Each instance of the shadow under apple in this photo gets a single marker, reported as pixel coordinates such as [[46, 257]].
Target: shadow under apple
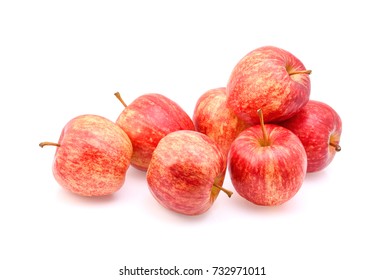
[[249, 208], [315, 177], [68, 197]]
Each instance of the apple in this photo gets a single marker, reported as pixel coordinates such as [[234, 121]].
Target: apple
[[319, 128], [92, 156], [186, 172], [212, 117], [148, 119], [269, 78], [267, 164]]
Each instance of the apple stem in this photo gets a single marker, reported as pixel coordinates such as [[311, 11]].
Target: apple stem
[[265, 135], [337, 146], [42, 144], [118, 96], [300, 72], [228, 192]]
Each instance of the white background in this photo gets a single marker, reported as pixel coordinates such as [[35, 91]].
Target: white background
[[60, 59]]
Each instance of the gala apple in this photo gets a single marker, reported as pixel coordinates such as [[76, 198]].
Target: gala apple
[[186, 172], [213, 118], [319, 127], [267, 164], [269, 78], [148, 119], [92, 156]]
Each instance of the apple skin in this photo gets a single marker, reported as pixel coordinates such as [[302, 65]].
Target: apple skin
[[212, 117], [93, 156], [264, 79], [267, 175], [319, 128], [148, 119], [183, 171]]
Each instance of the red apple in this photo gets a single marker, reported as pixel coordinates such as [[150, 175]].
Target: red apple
[[92, 156], [269, 78], [267, 164], [319, 128], [148, 119], [213, 118], [186, 172]]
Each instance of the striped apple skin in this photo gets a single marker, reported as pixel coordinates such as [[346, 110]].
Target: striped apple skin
[[93, 157], [267, 175], [184, 170], [263, 79], [147, 120]]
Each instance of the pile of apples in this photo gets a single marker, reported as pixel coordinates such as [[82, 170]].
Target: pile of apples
[[262, 128]]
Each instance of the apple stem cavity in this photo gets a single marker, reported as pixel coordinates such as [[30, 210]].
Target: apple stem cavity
[[336, 146], [118, 96], [265, 141], [228, 192], [299, 72], [42, 144]]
